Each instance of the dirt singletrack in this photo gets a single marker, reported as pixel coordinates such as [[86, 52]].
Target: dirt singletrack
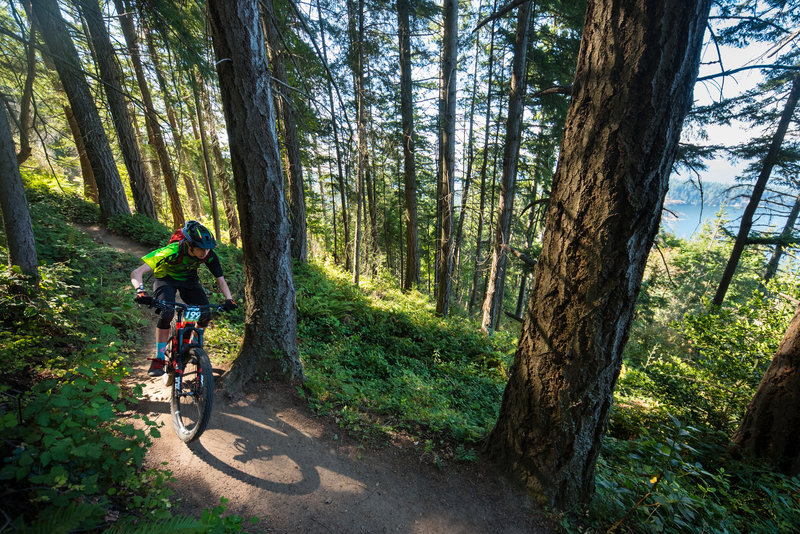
[[272, 458]]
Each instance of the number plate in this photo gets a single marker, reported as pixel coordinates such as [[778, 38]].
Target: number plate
[[192, 313]]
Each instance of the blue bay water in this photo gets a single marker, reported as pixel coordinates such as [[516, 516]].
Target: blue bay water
[[686, 220]]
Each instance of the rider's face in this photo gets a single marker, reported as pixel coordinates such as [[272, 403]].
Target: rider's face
[[197, 252]]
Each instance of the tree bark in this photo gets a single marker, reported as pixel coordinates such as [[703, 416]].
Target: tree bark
[[493, 303], [294, 172], [633, 87], [106, 60], [771, 426], [155, 135], [409, 167], [14, 205], [111, 193], [447, 141], [357, 67], [758, 190], [270, 337]]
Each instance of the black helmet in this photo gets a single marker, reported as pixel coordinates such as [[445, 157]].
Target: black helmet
[[198, 235]]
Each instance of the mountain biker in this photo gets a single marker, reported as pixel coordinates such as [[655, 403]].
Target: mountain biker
[[175, 268]]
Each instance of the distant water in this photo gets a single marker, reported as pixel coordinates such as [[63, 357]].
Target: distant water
[[685, 220]]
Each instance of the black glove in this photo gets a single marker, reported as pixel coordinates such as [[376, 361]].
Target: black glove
[[143, 298], [229, 305]]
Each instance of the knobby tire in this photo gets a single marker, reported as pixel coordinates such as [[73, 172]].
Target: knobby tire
[[191, 406]]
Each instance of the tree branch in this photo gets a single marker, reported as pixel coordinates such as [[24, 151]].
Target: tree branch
[[749, 67], [499, 13], [520, 255]]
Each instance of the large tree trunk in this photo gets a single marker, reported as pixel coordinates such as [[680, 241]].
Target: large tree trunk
[[493, 303], [294, 172], [633, 87], [155, 136], [14, 206], [447, 141], [270, 336], [771, 426], [409, 168], [758, 190], [111, 193], [106, 60]]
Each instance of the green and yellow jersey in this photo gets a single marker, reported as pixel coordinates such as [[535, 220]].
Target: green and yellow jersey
[[174, 262]]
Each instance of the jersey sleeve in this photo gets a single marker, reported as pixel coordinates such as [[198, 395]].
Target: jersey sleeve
[[214, 265]]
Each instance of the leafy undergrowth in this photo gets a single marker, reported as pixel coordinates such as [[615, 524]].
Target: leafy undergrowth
[[666, 465], [72, 457]]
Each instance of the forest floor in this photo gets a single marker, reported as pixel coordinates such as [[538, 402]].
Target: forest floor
[[272, 458]]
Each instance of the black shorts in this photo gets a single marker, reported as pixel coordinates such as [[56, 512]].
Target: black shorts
[[191, 292]]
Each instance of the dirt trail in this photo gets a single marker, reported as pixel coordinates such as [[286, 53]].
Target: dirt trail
[[273, 459]]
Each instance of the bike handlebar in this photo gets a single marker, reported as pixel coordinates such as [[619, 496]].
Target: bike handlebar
[[164, 304]]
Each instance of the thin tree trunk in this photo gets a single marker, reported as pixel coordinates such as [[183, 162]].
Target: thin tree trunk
[[608, 193], [788, 228], [270, 336], [209, 174], [27, 97], [294, 172], [412, 276], [110, 191], [342, 181], [448, 144], [106, 60], [156, 137], [14, 206], [357, 66], [221, 167], [758, 190], [189, 182], [493, 304], [476, 273], [89, 183]]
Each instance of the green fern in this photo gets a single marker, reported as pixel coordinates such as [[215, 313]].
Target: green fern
[[55, 519], [178, 524]]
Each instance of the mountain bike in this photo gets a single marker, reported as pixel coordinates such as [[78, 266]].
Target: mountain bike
[[188, 370]]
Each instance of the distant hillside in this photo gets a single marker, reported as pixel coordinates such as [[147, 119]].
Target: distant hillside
[[686, 192]]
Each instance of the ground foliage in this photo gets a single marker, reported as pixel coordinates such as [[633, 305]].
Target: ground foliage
[[72, 457], [381, 363]]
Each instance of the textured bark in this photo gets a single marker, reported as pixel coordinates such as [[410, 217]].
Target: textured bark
[[270, 337], [633, 87], [106, 60], [447, 141], [758, 190], [412, 279], [771, 426], [111, 193], [357, 67], [294, 172], [154, 133], [493, 303], [14, 205]]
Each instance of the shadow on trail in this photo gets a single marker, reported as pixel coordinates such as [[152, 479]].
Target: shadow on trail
[[259, 445]]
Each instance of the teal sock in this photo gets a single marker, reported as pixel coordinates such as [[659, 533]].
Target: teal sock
[[160, 348]]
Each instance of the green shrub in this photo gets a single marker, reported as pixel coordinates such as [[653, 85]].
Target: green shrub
[[141, 229]]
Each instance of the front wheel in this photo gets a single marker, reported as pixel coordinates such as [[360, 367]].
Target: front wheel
[[192, 395]]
